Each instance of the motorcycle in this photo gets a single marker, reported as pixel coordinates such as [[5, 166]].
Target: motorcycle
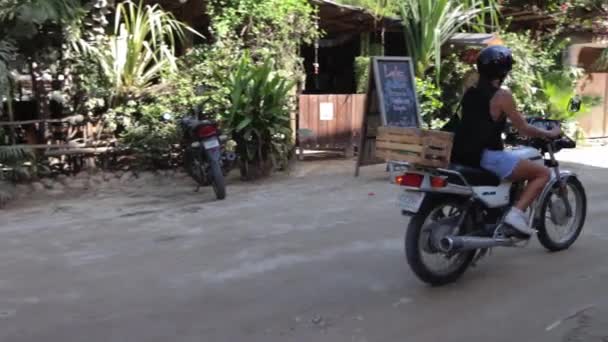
[[205, 158], [457, 213]]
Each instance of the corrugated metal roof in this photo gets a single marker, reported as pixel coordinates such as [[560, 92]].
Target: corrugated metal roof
[[477, 39]]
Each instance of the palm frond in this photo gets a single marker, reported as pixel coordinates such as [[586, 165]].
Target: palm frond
[[9, 155], [143, 45], [429, 24]]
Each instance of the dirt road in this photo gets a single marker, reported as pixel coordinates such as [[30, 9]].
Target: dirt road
[[316, 256]]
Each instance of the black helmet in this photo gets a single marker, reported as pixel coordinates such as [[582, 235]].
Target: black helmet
[[495, 62]]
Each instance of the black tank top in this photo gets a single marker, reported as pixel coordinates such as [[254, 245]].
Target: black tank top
[[477, 130]]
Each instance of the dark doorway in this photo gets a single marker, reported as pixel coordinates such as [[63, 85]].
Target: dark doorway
[[336, 68]]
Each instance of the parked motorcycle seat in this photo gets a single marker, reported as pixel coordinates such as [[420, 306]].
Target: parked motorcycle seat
[[474, 176]]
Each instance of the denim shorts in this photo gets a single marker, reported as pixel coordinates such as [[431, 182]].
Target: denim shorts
[[500, 163]]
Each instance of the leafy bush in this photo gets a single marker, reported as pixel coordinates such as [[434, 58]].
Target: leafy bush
[[534, 58], [559, 88], [362, 65], [452, 79], [209, 67], [259, 115], [429, 97], [268, 29], [143, 131]]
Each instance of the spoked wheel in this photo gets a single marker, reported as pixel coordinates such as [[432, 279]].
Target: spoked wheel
[[560, 226], [435, 220]]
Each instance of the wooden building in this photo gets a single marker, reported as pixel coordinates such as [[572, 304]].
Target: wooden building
[[330, 110]]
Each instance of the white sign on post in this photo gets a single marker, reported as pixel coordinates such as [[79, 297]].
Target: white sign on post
[[326, 111]]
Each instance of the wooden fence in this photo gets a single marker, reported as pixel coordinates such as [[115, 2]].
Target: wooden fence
[[330, 122]]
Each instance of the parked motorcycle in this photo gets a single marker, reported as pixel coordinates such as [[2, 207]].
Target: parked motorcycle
[[206, 159], [457, 213]]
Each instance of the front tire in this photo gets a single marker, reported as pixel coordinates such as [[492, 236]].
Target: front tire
[[574, 228], [217, 182], [415, 236]]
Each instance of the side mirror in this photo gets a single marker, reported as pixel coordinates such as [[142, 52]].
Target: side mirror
[[574, 105]]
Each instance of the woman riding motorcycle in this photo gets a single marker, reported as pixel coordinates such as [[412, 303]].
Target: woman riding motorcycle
[[478, 138]]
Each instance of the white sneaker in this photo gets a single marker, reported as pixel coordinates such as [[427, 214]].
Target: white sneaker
[[518, 220]]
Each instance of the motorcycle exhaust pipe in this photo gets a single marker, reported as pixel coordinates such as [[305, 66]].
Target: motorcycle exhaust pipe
[[466, 243]]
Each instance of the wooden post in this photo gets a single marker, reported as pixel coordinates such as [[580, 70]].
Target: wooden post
[[366, 111]]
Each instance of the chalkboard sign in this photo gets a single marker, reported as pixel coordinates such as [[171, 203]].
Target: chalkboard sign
[[391, 101], [396, 88]]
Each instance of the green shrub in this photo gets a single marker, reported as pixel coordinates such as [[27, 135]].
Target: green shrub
[[534, 58], [259, 116], [559, 87], [362, 65], [143, 132], [429, 97], [16, 164]]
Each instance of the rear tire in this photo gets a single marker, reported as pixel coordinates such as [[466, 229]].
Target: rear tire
[[217, 179], [544, 237], [414, 250]]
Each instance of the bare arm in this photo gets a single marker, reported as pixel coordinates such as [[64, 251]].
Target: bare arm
[[503, 102]]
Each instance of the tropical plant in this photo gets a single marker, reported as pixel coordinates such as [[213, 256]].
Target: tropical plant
[[429, 97], [559, 88], [16, 163], [7, 53], [269, 29], [259, 115], [362, 66], [534, 57], [142, 47], [486, 21], [454, 74], [208, 67], [430, 23]]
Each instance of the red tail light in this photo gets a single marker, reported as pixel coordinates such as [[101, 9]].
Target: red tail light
[[410, 179], [205, 131], [414, 180], [438, 182]]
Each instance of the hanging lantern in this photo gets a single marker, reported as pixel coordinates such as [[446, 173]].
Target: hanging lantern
[[315, 64]]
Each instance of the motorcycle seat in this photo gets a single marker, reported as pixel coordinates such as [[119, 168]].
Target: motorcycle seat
[[474, 176]]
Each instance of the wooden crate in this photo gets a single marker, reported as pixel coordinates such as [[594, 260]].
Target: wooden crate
[[413, 145]]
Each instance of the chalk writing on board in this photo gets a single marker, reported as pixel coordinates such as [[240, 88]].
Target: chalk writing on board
[[397, 87]]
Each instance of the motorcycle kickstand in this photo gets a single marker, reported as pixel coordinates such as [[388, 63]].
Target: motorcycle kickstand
[[198, 188]]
